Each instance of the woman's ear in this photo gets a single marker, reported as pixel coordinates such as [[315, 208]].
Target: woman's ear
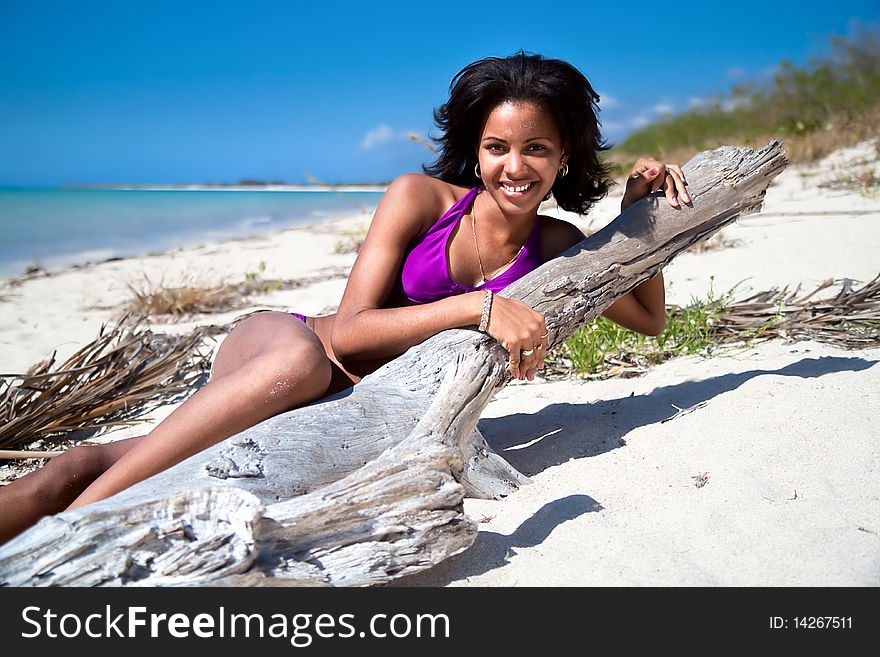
[[565, 154]]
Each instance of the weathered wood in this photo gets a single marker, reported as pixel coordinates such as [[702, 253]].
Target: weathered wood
[[394, 516], [367, 486]]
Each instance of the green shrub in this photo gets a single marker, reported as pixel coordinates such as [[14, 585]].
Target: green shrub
[[602, 345], [837, 98]]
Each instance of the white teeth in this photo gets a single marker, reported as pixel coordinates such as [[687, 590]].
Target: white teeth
[[517, 188]]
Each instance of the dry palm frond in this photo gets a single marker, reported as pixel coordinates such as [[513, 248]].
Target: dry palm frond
[[416, 137], [851, 319], [151, 299], [124, 372]]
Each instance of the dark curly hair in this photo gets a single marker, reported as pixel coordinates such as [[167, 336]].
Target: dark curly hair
[[553, 85]]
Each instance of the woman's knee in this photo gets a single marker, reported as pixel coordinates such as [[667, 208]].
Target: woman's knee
[[76, 468], [277, 358], [296, 370]]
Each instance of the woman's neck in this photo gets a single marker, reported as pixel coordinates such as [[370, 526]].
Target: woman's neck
[[509, 228]]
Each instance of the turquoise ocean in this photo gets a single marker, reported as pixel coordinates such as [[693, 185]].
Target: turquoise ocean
[[60, 227]]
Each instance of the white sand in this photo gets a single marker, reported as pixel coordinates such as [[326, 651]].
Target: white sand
[[784, 441]]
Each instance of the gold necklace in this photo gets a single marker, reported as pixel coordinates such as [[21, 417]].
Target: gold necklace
[[477, 246]]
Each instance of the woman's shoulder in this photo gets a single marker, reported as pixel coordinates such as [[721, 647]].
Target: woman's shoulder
[[426, 189], [557, 236], [429, 197]]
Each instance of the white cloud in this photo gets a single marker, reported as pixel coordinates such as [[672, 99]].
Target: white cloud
[[608, 102], [736, 72], [639, 121], [385, 134], [696, 101], [613, 126], [664, 108], [378, 135]]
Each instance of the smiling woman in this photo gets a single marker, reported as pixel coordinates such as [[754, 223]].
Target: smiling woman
[[513, 131], [559, 95]]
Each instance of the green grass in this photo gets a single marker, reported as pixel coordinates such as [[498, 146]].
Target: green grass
[[603, 346], [254, 283], [718, 325]]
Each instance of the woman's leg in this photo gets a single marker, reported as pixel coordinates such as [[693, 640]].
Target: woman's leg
[[271, 363], [51, 488], [57, 484]]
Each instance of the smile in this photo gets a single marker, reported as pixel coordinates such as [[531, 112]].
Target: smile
[[516, 189]]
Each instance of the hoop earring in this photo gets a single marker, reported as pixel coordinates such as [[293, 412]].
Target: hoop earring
[[549, 194], [477, 171], [563, 172]]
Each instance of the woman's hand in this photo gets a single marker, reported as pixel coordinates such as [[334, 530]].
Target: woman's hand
[[522, 332], [648, 176]]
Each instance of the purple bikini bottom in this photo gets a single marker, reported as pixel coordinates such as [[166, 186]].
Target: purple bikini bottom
[[302, 318]]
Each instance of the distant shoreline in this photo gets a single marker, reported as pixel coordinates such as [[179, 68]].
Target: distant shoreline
[[61, 227], [234, 188]]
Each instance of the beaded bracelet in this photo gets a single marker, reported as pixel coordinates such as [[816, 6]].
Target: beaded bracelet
[[487, 308]]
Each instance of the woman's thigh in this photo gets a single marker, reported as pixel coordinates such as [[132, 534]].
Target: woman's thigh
[[259, 335], [281, 333]]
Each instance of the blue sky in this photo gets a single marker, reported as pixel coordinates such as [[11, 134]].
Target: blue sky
[[186, 91]]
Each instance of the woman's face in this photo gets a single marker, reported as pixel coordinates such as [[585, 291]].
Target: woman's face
[[520, 153]]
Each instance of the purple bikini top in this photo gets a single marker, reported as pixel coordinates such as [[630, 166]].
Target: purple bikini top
[[425, 276]]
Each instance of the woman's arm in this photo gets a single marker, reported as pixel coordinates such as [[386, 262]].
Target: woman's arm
[[642, 310], [363, 330]]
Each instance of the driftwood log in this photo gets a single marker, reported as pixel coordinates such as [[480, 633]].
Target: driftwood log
[[366, 486]]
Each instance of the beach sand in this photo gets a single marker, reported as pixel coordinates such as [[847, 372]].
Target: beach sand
[[770, 480]]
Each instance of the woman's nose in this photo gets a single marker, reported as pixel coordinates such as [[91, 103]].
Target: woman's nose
[[515, 164]]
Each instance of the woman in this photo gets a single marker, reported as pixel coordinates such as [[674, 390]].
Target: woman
[[514, 130]]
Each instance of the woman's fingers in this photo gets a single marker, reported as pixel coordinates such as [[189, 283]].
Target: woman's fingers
[[512, 359], [649, 172], [674, 186], [650, 176], [523, 361], [659, 178], [532, 358], [680, 182], [520, 362], [523, 334], [540, 343], [678, 172], [530, 363], [670, 189]]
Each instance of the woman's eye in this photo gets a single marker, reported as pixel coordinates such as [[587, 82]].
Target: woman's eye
[[494, 147]]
